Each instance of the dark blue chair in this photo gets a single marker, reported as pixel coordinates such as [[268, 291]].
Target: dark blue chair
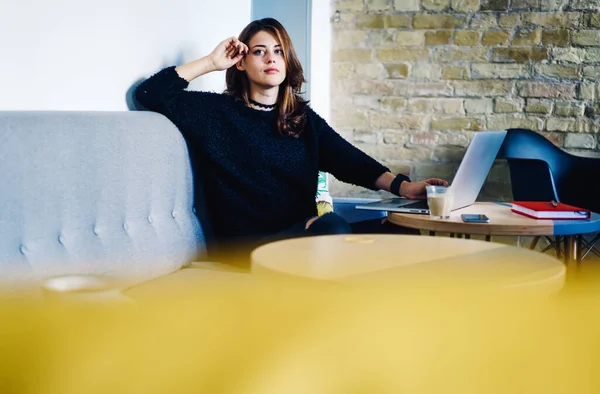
[[541, 171]]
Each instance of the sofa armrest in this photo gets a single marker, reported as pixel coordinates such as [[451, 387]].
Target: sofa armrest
[[345, 207]]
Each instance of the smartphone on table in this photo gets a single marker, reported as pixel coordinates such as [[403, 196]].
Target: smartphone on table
[[474, 218]]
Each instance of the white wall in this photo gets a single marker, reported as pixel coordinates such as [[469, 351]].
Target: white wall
[[85, 55], [320, 57]]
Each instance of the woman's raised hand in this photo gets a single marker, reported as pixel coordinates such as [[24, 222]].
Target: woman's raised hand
[[228, 53]]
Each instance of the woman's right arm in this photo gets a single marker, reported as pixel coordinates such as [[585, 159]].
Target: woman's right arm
[[225, 55], [163, 91]]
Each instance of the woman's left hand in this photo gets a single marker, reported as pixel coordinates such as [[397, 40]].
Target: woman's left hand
[[416, 190]]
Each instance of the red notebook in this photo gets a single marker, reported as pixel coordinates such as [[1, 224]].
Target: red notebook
[[546, 210]]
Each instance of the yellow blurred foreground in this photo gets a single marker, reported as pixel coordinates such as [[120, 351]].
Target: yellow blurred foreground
[[289, 336]]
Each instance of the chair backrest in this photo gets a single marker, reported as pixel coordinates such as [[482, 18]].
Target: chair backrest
[[541, 171], [94, 192]]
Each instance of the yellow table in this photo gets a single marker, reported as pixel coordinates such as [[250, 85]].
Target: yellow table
[[395, 259]]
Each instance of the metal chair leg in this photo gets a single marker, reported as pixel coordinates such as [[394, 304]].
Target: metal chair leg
[[534, 242]]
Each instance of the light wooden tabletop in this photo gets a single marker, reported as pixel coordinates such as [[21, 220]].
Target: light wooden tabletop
[[502, 221], [385, 257]]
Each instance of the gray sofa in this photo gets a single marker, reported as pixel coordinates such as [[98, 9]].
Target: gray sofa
[[108, 193]]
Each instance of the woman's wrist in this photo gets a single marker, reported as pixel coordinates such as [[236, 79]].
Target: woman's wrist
[[398, 184]]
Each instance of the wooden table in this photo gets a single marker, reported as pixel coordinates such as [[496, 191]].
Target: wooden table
[[395, 259], [504, 222]]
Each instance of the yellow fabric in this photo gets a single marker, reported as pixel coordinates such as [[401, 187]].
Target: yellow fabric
[[272, 337]]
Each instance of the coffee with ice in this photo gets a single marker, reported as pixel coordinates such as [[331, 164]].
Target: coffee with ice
[[440, 200]]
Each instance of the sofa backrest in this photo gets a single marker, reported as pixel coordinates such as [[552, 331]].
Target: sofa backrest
[[94, 192]]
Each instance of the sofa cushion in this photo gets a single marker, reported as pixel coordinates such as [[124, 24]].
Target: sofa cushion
[[94, 192]]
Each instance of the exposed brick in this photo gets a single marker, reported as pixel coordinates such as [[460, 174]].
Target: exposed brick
[[370, 71], [395, 137], [436, 5], [380, 37], [520, 55], [568, 125], [538, 106], [382, 21], [447, 154], [349, 39], [594, 20], [453, 123], [350, 119], [589, 91], [500, 71], [553, 5], [347, 20], [435, 106], [527, 36], [397, 70], [378, 5], [367, 137], [432, 89], [479, 106], [591, 110], [587, 37], [362, 86], [342, 70], [559, 19], [558, 37], [425, 71], [492, 38], [352, 55], [503, 105], [449, 55], [558, 71], [350, 5], [438, 37], [394, 121], [422, 138], [484, 20], [455, 72], [392, 104], [524, 4], [367, 102], [453, 139], [466, 37], [406, 5], [409, 38], [591, 72], [557, 139], [503, 122], [482, 88], [465, 5], [571, 55], [548, 90], [438, 21], [509, 20], [585, 4], [583, 141], [568, 108], [494, 5], [401, 54]]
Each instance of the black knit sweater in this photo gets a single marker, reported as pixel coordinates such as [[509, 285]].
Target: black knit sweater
[[256, 181]]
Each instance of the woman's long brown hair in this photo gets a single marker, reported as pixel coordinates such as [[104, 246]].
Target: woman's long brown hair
[[291, 107]]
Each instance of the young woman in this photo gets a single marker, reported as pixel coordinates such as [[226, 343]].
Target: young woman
[[259, 145]]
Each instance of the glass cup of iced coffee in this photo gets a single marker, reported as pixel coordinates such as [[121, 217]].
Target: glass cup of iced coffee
[[440, 200]]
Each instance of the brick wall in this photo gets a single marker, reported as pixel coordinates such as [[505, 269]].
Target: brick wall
[[412, 80]]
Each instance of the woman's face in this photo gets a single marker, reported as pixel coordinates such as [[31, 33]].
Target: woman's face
[[264, 64]]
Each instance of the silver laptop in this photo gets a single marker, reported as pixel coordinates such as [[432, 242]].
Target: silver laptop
[[467, 183]]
